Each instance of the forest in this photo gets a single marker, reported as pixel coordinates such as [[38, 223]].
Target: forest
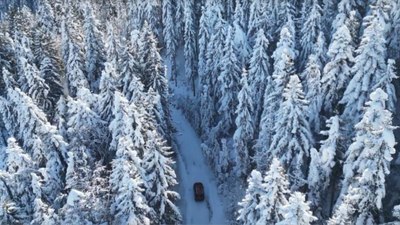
[[294, 103]]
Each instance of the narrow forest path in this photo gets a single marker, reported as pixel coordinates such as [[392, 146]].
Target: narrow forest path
[[194, 168]]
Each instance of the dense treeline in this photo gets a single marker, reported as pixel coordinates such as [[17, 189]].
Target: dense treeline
[[84, 117]]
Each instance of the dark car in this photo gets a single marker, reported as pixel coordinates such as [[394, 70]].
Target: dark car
[[198, 190]]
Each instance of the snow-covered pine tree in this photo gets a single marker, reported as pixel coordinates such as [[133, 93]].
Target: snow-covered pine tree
[[229, 85], [152, 14], [368, 161], [257, 19], [329, 8], [242, 45], [85, 125], [276, 191], [52, 76], [297, 211], [337, 72], [74, 212], [99, 194], [284, 57], [203, 38], [159, 180], [190, 44], [312, 77], [209, 77], [368, 67], [74, 74], [179, 16], [126, 122], [244, 127], [240, 17], [129, 204], [386, 84], [111, 45], [130, 69], [107, 89], [45, 17], [249, 213], [321, 165], [78, 171], [265, 127], [43, 214], [152, 72], [94, 48], [65, 39], [42, 140], [258, 73], [170, 33], [18, 165], [349, 15], [309, 32], [29, 76], [293, 140]]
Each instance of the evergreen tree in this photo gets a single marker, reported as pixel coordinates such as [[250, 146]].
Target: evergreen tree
[[284, 57], [293, 140], [368, 161], [179, 18], [258, 18], [159, 179], [170, 33], [94, 56], [45, 17], [297, 211], [312, 77], [369, 65], [322, 163], [129, 71], [29, 76], [42, 140], [265, 127], [310, 31], [18, 165], [111, 45], [276, 193], [152, 13], [126, 122], [249, 213], [129, 205], [190, 44], [242, 45], [244, 126], [76, 78], [210, 90], [52, 77], [203, 38], [107, 89], [78, 172], [73, 212], [229, 84], [337, 72], [258, 73], [386, 84], [85, 125]]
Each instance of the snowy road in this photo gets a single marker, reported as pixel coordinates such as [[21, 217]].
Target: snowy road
[[193, 168]]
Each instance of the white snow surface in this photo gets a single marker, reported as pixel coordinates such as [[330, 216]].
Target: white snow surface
[[194, 168]]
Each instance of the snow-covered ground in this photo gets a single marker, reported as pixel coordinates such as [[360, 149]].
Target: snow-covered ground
[[194, 168]]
